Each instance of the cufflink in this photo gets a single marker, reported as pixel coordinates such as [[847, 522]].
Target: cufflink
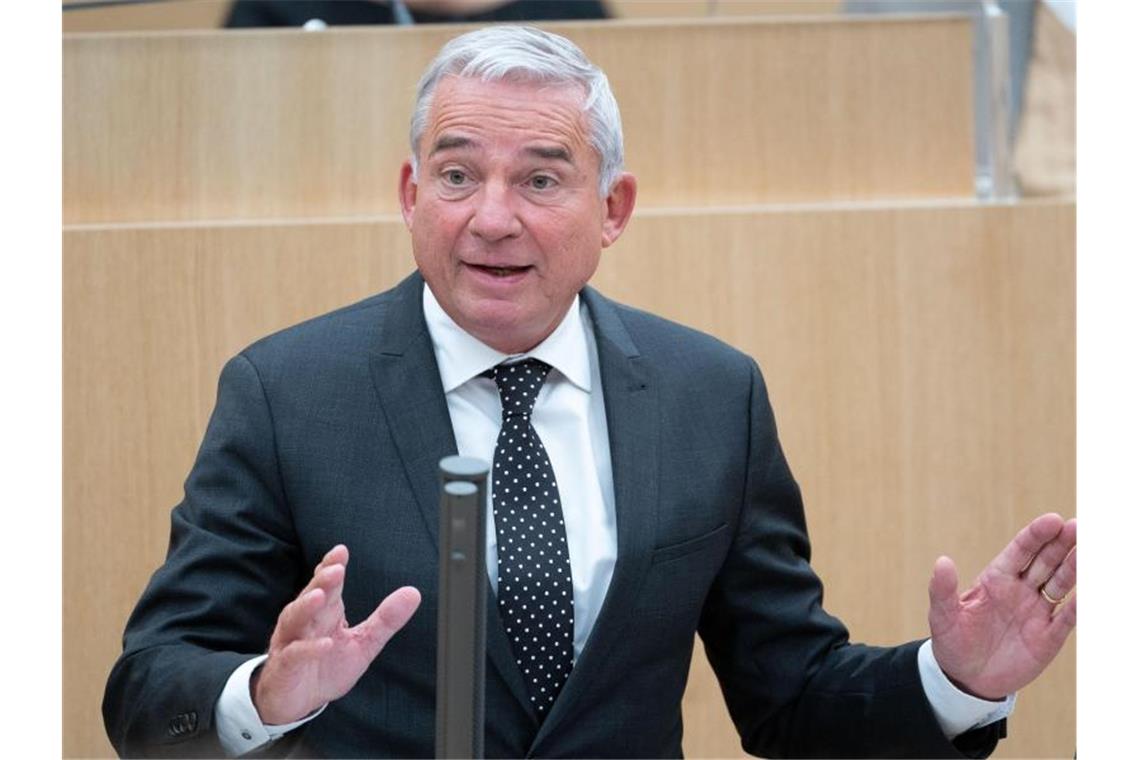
[[180, 725]]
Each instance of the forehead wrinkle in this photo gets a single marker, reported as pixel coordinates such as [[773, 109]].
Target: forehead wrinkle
[[555, 120], [561, 132]]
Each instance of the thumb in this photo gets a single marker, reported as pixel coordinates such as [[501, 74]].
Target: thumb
[[390, 616], [943, 595]]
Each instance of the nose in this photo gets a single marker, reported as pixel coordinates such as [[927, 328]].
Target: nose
[[494, 216]]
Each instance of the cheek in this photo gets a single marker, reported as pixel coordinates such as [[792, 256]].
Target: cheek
[[574, 260], [434, 234], [571, 236], [582, 246]]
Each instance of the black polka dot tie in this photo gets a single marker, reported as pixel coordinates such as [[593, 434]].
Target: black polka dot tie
[[536, 593]]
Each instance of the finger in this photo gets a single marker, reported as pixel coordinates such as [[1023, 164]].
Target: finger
[[1064, 580], [329, 579], [1063, 622], [1017, 556], [294, 619], [1049, 559], [389, 617], [943, 595], [338, 555], [330, 615], [302, 617]]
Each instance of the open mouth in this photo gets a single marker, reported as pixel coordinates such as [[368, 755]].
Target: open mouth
[[500, 271]]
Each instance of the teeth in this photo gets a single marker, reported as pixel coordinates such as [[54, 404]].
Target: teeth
[[500, 271]]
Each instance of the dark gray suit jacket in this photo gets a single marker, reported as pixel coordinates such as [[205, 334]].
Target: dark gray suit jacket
[[331, 432]]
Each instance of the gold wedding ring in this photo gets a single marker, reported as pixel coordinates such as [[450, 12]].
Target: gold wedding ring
[[1048, 598]]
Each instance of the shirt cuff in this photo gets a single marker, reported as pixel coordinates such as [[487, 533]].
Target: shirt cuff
[[955, 710], [239, 727]]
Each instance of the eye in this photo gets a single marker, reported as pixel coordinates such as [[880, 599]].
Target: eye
[[454, 177], [541, 182]]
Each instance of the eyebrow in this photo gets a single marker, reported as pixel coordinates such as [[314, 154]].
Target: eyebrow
[[549, 153], [449, 142], [558, 153]]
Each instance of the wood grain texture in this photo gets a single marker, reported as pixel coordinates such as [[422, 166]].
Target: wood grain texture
[[920, 359], [153, 16], [1045, 156], [272, 123], [921, 363], [151, 316]]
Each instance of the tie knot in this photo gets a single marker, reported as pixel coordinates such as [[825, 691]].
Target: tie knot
[[519, 384]]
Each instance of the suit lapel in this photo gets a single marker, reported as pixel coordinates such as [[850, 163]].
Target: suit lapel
[[406, 378], [633, 423]]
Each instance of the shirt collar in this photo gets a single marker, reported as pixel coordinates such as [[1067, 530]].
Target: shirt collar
[[461, 356]]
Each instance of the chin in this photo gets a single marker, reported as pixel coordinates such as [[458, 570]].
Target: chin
[[489, 319], [506, 333]]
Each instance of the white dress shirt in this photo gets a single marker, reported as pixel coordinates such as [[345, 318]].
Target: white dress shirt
[[569, 416]]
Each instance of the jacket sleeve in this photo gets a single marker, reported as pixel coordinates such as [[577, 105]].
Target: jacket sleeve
[[794, 685], [231, 565]]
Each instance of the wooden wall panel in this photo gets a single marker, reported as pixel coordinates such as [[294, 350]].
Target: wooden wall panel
[[265, 123], [150, 16], [151, 315], [921, 362], [920, 359], [1045, 155]]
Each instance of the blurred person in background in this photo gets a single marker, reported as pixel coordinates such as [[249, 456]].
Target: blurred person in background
[[264, 13]]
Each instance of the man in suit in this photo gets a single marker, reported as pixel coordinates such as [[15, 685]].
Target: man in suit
[[639, 496]]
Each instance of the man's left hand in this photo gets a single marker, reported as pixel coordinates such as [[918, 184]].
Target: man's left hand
[[1004, 630]]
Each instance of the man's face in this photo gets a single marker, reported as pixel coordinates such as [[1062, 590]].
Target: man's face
[[506, 220]]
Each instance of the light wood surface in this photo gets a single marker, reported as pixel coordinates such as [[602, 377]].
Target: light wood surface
[[1045, 158], [152, 16], [270, 124], [921, 364], [150, 317], [920, 359]]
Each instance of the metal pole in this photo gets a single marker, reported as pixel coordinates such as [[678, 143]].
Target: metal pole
[[995, 180], [462, 620]]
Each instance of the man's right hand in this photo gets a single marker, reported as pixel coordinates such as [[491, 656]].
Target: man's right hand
[[314, 656]]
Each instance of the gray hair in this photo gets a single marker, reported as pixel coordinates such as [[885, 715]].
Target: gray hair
[[527, 54]]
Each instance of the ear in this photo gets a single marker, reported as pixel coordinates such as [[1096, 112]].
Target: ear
[[619, 208], [407, 192]]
